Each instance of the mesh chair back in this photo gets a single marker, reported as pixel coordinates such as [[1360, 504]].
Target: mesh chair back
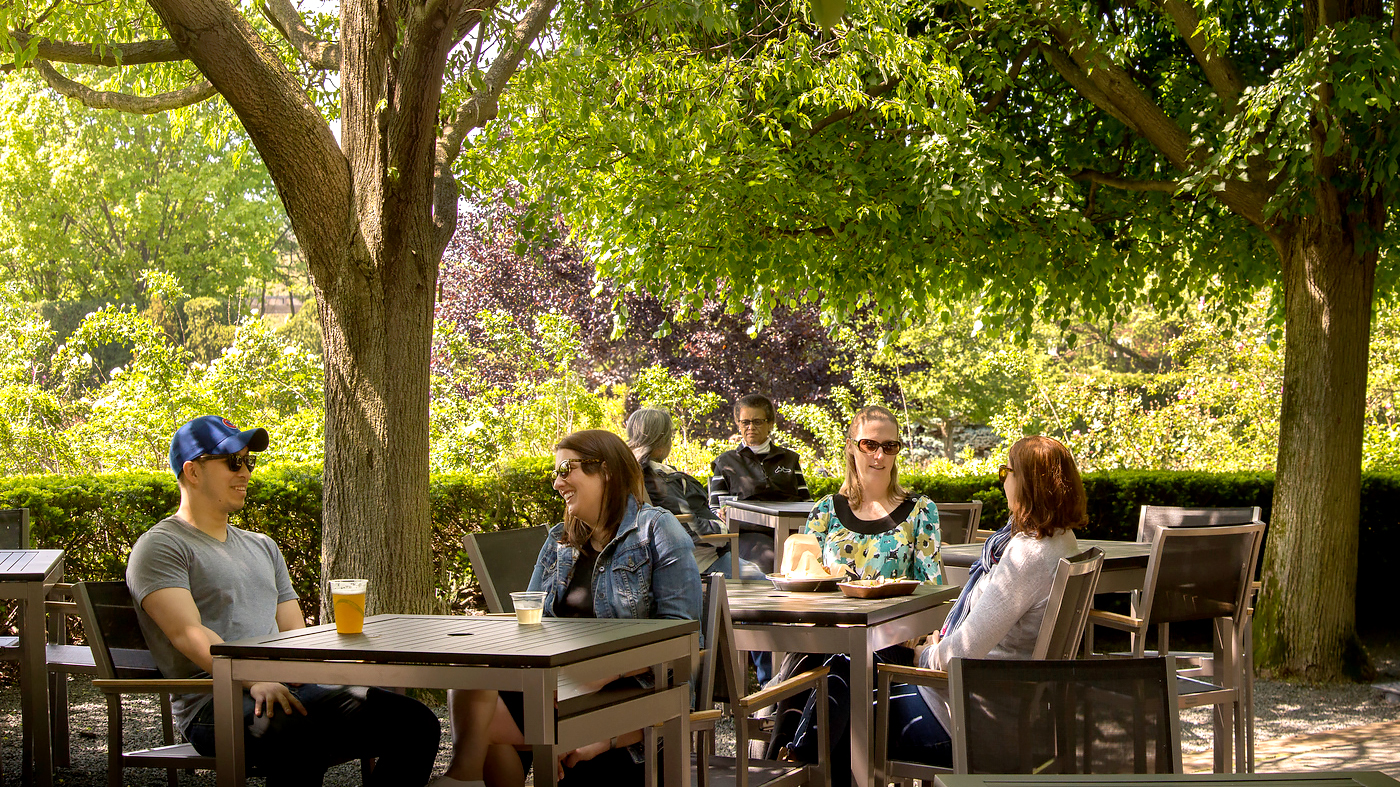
[[1067, 611], [503, 561], [14, 528], [1082, 716], [1154, 518], [1200, 573], [957, 522], [113, 631]]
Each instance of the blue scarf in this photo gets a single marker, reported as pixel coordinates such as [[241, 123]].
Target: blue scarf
[[992, 549]]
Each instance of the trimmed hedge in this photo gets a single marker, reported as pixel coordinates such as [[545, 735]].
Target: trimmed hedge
[[96, 519]]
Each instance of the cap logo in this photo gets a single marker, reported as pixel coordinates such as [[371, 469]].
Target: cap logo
[[228, 423]]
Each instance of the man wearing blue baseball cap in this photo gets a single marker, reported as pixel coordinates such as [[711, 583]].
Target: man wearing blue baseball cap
[[197, 580]]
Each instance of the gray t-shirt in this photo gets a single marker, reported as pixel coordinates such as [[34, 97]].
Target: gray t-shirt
[[237, 585]]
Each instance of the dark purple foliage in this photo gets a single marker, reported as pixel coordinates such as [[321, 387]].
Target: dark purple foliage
[[502, 259]]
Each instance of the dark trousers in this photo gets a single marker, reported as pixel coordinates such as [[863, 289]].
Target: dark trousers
[[342, 723], [915, 733]]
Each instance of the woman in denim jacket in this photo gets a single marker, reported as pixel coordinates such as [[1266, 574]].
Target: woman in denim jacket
[[613, 556]]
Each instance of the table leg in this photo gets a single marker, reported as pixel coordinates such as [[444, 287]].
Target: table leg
[[228, 725], [862, 687], [34, 688], [676, 731]]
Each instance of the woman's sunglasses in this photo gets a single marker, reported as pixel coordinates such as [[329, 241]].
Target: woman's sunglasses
[[234, 461], [567, 466], [891, 447], [1003, 472]]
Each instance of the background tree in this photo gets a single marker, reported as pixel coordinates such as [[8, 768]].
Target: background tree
[[372, 210], [1041, 156], [92, 199], [508, 258]]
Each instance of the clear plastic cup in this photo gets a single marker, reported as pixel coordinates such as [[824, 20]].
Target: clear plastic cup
[[348, 605], [529, 607]]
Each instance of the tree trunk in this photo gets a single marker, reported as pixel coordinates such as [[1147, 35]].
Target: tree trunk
[[1306, 625], [376, 518]]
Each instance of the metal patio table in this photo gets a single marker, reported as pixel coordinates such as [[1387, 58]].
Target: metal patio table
[[769, 619], [1124, 563], [454, 652], [1308, 779], [761, 516], [27, 575]]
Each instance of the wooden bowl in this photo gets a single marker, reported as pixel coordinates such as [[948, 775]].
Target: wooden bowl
[[865, 588]]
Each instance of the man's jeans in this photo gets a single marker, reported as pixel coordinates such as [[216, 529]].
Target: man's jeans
[[342, 723]]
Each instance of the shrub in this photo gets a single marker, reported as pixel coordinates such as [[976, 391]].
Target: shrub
[[97, 518]]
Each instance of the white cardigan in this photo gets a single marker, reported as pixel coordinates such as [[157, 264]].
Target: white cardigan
[[1004, 610]]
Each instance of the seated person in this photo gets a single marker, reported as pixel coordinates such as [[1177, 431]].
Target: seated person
[[873, 528], [586, 571], [198, 581], [756, 470], [1000, 608], [649, 434]]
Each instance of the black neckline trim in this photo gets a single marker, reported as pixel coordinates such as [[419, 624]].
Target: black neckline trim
[[872, 527]]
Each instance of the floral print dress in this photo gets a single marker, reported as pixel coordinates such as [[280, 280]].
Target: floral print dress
[[904, 544]]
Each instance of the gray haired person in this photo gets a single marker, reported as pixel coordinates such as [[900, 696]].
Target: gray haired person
[[649, 435]]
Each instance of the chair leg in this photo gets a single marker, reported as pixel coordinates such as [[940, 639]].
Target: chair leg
[[114, 740], [824, 738], [58, 719], [167, 731]]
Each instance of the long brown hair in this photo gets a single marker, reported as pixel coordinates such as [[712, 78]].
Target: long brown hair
[[851, 487], [622, 476], [1049, 492]]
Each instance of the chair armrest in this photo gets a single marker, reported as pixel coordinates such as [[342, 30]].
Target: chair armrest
[[778, 691], [1114, 620], [154, 685], [919, 676], [705, 716], [717, 538]]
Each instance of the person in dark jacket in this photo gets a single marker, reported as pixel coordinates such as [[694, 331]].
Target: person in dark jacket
[[756, 470], [649, 435]]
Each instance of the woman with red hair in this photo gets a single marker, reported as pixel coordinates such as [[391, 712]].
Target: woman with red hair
[[999, 611]]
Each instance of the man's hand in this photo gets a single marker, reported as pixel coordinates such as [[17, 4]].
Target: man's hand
[[270, 694], [581, 754]]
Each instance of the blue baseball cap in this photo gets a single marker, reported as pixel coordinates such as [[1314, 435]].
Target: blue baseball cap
[[210, 434]]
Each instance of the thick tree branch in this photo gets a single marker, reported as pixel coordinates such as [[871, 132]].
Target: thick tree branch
[[1011, 75], [1219, 69], [125, 102], [1082, 84], [841, 114], [481, 107], [478, 110], [1105, 179], [131, 54], [316, 53], [306, 164]]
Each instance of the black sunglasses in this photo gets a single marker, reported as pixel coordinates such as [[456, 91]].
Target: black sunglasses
[[567, 466], [891, 447], [1003, 472], [234, 461]]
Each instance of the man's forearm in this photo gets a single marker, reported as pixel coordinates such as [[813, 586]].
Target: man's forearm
[[194, 643]]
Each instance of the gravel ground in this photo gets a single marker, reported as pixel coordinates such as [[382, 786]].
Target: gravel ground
[[1282, 710]]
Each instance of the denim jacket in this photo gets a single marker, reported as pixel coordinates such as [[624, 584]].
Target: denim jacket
[[646, 571]]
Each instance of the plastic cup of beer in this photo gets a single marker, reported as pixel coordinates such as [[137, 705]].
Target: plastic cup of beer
[[529, 607], [348, 605]]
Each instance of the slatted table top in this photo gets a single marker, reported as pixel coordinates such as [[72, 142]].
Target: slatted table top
[[759, 602], [27, 565], [1310, 779], [1116, 554], [458, 640]]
